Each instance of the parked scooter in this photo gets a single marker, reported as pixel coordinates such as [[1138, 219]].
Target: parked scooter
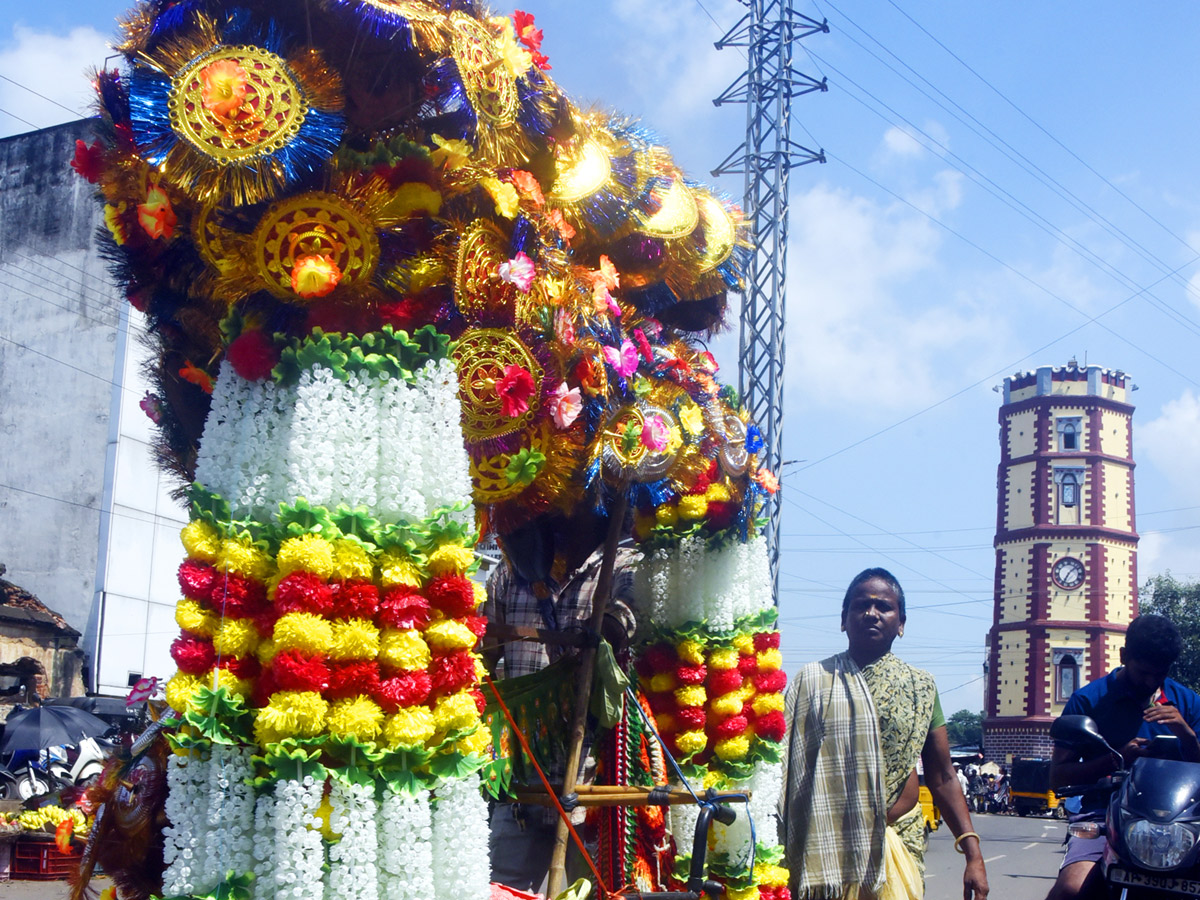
[[35, 773], [1152, 821]]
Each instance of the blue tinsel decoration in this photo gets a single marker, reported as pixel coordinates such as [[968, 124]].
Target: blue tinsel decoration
[[650, 494], [532, 95], [447, 109], [524, 239], [381, 23], [754, 439], [172, 18]]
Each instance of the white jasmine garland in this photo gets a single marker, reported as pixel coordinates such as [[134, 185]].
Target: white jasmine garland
[[681, 821], [299, 852], [405, 847], [353, 874], [186, 808], [229, 817], [461, 869], [263, 847]]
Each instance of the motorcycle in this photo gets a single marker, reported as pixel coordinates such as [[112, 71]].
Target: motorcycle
[[1152, 819], [33, 773]]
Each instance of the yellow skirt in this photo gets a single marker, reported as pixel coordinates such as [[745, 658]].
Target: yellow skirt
[[904, 881]]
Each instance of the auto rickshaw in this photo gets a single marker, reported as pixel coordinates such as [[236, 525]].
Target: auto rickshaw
[[1029, 781], [929, 810]]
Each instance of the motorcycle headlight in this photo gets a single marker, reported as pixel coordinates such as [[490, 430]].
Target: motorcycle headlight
[[1158, 846]]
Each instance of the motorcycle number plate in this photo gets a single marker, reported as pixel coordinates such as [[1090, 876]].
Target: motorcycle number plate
[[1158, 882]]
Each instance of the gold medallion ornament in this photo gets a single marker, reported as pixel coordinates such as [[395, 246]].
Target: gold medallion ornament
[[625, 453], [490, 86], [734, 457], [210, 238], [481, 356], [236, 103], [720, 234], [582, 171], [477, 285], [311, 226], [674, 213]]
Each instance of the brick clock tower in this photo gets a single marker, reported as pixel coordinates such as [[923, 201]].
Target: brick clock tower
[[1066, 549]]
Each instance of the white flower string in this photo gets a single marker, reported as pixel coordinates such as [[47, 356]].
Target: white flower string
[[263, 847], [405, 847], [352, 860], [460, 841], [299, 852], [186, 808]]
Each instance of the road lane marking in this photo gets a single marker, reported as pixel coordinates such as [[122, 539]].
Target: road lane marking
[[1029, 846], [994, 858]]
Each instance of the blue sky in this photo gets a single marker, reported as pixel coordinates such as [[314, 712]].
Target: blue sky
[[1008, 185]]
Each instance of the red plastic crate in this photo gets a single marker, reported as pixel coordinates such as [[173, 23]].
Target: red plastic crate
[[43, 861]]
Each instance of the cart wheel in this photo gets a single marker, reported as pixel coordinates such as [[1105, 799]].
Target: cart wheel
[[1060, 812]]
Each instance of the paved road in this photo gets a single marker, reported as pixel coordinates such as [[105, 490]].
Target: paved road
[[1022, 857]]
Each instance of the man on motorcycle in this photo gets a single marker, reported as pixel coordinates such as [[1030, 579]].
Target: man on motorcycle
[[1130, 705]]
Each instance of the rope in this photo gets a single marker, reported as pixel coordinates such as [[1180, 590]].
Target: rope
[[603, 892]]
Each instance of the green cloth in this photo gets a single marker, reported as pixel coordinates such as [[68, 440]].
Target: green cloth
[[832, 812], [907, 708], [609, 683], [939, 717]]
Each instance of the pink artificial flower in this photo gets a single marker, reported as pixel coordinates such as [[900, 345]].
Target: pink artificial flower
[[518, 271], [625, 360], [152, 406], [643, 345], [655, 434], [565, 405], [143, 690], [709, 362], [514, 389], [564, 327]]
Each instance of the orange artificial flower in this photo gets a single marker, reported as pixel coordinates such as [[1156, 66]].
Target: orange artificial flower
[[155, 215], [197, 376], [767, 480], [529, 187], [223, 87], [62, 835], [315, 275], [564, 228]]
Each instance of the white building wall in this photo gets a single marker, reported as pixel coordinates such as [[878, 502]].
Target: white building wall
[[86, 522]]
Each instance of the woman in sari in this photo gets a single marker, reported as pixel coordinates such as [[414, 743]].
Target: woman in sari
[[857, 724]]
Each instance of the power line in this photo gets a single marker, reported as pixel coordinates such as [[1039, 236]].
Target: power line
[[24, 87]]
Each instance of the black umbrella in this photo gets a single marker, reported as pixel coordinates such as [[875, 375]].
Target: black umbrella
[[49, 726]]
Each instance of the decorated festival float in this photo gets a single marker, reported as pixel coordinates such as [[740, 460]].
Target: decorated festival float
[[401, 291]]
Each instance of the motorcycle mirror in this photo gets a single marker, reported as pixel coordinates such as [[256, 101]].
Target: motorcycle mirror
[[1078, 730]]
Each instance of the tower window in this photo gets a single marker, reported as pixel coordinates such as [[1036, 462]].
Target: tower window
[[1069, 490], [1066, 676], [1070, 433]]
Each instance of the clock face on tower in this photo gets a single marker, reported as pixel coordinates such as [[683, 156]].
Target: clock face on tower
[[1068, 573]]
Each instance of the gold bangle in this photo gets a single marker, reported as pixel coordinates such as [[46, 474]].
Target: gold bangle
[[962, 837]]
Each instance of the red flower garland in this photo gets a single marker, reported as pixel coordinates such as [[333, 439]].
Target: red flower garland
[[303, 592], [296, 671], [194, 655], [196, 579], [403, 689], [770, 682], [771, 726], [452, 672], [724, 682], [349, 679], [766, 640], [687, 674], [402, 608], [354, 600], [454, 595], [236, 596]]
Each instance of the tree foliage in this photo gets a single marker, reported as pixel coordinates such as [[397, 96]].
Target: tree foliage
[[1179, 601], [965, 727]]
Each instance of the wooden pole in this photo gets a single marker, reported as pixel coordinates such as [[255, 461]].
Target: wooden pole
[[583, 689]]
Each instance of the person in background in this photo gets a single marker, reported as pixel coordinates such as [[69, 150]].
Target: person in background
[[850, 822], [1130, 706]]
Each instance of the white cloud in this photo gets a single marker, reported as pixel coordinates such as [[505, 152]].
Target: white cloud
[[861, 333], [1171, 443], [54, 65], [899, 142]]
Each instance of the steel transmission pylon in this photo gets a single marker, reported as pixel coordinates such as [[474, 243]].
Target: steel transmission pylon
[[767, 32]]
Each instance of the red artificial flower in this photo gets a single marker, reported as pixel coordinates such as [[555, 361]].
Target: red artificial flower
[[88, 162], [527, 34], [408, 314], [404, 689], [476, 624], [303, 592], [236, 596], [454, 595], [767, 480], [252, 355], [724, 682], [194, 655], [766, 640], [687, 674], [264, 620], [350, 679], [691, 718], [720, 514], [588, 375], [296, 671], [771, 726], [354, 600], [264, 686], [408, 170], [403, 608], [747, 665], [514, 389], [197, 376], [770, 682], [658, 659], [196, 579], [731, 727], [156, 215], [662, 704], [480, 701], [643, 345], [452, 672], [541, 60], [245, 667]]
